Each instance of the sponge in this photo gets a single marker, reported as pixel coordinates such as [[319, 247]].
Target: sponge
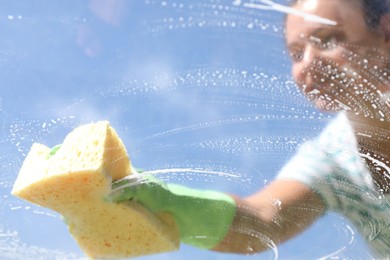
[[74, 182]]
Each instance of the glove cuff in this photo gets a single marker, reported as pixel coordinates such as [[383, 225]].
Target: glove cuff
[[203, 217]]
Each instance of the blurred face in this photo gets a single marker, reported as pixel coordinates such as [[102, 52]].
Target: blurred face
[[340, 67]]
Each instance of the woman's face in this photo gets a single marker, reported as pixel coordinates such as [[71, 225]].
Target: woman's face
[[338, 67]]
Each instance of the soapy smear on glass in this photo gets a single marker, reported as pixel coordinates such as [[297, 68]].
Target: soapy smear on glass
[[199, 87]]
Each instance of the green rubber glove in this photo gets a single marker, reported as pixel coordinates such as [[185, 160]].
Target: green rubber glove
[[53, 151], [203, 217]]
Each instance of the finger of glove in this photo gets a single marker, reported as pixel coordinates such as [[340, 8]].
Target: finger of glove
[[121, 195], [132, 189], [53, 151], [65, 220], [123, 190], [137, 179]]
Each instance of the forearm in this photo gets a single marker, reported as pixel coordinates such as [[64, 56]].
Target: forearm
[[270, 217], [250, 231]]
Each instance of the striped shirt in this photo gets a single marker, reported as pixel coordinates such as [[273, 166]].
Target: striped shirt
[[331, 166]]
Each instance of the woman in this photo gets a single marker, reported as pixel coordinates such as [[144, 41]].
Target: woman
[[343, 68]]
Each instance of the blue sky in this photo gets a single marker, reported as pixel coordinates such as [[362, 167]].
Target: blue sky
[[186, 84]]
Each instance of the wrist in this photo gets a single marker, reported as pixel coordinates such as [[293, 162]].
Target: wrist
[[203, 216]]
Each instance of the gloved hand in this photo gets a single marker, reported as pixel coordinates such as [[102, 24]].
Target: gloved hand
[[203, 217], [53, 151]]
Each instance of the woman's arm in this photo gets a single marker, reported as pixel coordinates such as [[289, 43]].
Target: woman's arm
[[253, 224], [275, 214]]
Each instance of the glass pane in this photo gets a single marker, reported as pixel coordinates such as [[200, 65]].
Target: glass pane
[[220, 95]]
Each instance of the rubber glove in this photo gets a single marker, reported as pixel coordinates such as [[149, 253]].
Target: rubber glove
[[202, 216], [53, 151]]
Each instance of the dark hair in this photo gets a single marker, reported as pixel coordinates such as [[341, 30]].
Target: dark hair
[[373, 10]]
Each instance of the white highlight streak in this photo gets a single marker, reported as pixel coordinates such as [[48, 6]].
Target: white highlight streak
[[332, 254], [139, 178], [269, 5], [352, 235], [175, 170], [342, 105], [363, 134]]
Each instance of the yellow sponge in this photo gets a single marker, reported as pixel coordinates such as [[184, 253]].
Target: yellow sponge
[[74, 183]]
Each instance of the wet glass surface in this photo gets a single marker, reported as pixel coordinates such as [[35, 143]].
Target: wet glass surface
[[200, 86]]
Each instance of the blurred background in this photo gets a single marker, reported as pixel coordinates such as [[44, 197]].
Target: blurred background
[[199, 85]]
